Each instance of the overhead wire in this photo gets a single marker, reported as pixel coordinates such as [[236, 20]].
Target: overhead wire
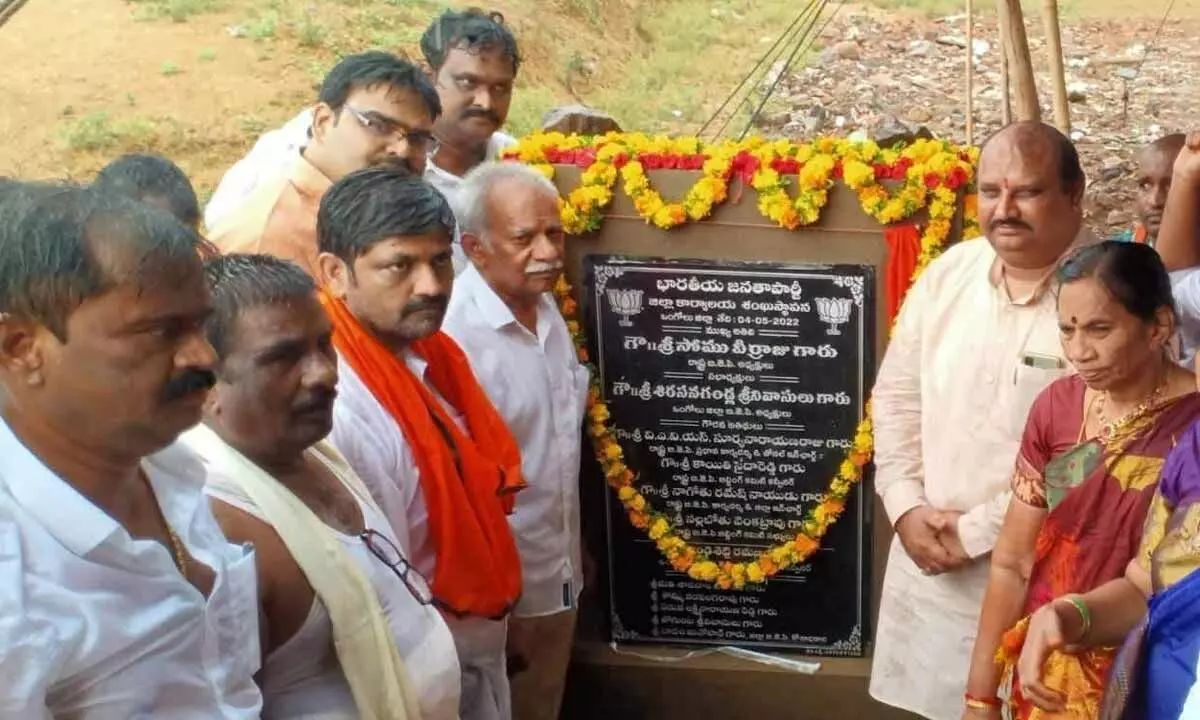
[[784, 40], [795, 44], [804, 44]]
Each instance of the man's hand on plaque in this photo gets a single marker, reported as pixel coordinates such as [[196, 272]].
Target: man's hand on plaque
[[918, 531]]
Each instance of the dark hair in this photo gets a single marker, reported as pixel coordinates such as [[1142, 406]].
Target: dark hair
[[143, 175], [1132, 273], [240, 281], [1070, 171], [69, 244], [375, 204], [376, 68], [472, 30]]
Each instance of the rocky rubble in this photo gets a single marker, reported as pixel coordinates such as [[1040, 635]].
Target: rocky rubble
[[884, 74]]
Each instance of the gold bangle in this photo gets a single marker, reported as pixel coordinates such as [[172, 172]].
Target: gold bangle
[[974, 703]]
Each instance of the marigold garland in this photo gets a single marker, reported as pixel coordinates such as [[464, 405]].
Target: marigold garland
[[926, 175]]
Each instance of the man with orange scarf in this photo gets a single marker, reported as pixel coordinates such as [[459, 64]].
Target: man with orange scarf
[[410, 412]]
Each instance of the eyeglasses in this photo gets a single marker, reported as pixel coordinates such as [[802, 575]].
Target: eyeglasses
[[387, 552], [385, 128]]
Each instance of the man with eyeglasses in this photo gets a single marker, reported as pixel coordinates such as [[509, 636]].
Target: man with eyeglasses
[[348, 626], [374, 110], [472, 58], [411, 416]]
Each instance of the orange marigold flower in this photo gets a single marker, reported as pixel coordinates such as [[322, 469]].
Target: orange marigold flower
[[805, 546]]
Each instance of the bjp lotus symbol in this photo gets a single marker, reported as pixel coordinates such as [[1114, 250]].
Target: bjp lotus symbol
[[835, 311], [625, 303]]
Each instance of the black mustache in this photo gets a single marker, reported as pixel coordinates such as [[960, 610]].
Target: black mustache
[[470, 113], [191, 381], [395, 162], [1011, 223], [317, 401], [435, 302]]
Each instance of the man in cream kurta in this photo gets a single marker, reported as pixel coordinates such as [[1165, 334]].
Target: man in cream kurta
[[976, 341], [374, 109], [474, 61]]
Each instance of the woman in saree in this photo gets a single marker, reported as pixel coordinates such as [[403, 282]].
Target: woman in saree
[[1091, 455], [1155, 674]]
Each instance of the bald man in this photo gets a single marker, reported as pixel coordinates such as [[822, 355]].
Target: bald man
[[977, 340]]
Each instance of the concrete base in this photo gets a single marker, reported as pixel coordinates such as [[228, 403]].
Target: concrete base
[[606, 685]]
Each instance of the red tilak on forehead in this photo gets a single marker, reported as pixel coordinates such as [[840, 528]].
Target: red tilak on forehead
[[1006, 184]]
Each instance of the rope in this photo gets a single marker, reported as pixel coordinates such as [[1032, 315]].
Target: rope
[[8, 8], [784, 38], [1137, 73], [805, 43]]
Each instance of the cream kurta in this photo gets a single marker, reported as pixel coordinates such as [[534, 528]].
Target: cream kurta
[[949, 407]]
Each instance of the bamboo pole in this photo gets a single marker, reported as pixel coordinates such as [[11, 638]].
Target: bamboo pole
[[970, 73], [1005, 92], [1058, 78], [1016, 46]]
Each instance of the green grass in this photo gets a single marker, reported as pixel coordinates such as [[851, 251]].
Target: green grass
[[98, 131], [169, 68], [263, 27], [174, 10], [695, 57]]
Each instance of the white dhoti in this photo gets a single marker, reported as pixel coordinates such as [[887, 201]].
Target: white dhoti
[[481, 655], [925, 635]]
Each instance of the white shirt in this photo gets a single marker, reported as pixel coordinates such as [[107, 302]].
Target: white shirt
[[97, 625], [1185, 286], [540, 389], [276, 149], [375, 447]]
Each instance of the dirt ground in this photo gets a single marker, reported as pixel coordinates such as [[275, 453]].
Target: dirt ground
[[83, 80], [189, 88]]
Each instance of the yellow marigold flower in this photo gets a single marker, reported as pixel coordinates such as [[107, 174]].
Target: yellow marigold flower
[[638, 503], [626, 494], [857, 174], [706, 571], [754, 573], [658, 528], [765, 178], [613, 451], [600, 413]]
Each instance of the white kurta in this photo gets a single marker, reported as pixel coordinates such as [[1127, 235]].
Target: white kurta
[[376, 449], [274, 152], [540, 389], [97, 625], [949, 407]]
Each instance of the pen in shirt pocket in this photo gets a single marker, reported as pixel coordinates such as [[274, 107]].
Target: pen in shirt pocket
[[1039, 362]]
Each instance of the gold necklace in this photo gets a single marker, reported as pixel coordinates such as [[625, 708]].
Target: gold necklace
[[178, 554], [1109, 428]]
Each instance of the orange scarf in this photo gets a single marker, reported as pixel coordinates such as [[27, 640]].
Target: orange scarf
[[468, 483]]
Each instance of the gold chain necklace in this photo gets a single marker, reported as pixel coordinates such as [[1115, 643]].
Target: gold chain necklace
[[1109, 428], [178, 554]]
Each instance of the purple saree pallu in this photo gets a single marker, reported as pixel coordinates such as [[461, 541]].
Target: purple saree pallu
[[1156, 667], [1157, 680]]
